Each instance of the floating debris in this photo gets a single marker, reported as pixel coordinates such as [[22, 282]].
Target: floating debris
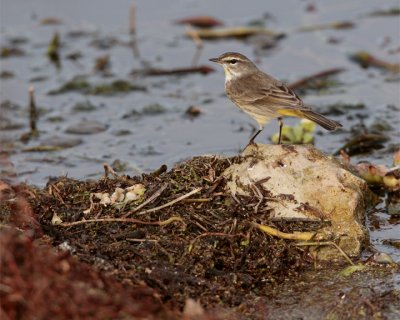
[[311, 7], [377, 175], [38, 79], [131, 114], [78, 83], [7, 123], [366, 60], [393, 202], [115, 87], [334, 25], [50, 21], [102, 64], [7, 52], [364, 143], [122, 132], [385, 13], [148, 110], [381, 258], [200, 21], [17, 40], [175, 71], [6, 74], [153, 109], [193, 112], [85, 106], [55, 119], [380, 125], [104, 43], [42, 148], [74, 56], [395, 243], [235, 32], [80, 33], [318, 81], [340, 108]]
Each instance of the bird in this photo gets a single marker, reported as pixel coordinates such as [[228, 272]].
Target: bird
[[262, 96]]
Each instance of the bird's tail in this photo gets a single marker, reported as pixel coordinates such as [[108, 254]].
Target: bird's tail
[[321, 120]]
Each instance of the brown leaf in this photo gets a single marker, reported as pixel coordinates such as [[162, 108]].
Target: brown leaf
[[200, 21]]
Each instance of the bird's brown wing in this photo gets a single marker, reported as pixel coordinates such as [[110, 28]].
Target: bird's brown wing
[[266, 91]]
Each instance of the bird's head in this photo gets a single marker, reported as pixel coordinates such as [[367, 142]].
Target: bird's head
[[235, 65]]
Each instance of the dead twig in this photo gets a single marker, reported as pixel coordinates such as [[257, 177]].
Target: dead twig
[[198, 200], [365, 60], [127, 220], [325, 243], [213, 234], [235, 198], [141, 240], [33, 114], [107, 170], [54, 191], [87, 211], [132, 30], [303, 236], [33, 117], [215, 185], [259, 196], [153, 197], [200, 226], [163, 168], [187, 195]]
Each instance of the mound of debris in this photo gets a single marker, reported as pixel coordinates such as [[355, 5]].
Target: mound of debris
[[181, 232]]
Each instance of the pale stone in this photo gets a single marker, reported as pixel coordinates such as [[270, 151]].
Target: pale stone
[[317, 185]]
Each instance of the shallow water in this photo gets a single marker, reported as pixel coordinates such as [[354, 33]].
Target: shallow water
[[145, 142]]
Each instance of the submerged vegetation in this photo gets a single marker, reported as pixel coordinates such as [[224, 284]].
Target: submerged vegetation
[[80, 84]]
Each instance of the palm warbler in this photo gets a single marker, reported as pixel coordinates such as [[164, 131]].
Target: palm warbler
[[263, 97]]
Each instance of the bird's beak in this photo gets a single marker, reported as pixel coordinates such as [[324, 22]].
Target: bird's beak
[[216, 60]]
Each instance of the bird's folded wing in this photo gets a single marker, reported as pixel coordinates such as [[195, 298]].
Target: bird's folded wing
[[266, 91]]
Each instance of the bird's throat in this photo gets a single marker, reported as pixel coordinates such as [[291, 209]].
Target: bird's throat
[[228, 75]]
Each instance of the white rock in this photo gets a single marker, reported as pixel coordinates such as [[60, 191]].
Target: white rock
[[308, 185]]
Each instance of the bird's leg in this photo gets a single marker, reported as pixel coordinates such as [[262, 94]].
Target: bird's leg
[[254, 136], [280, 130]]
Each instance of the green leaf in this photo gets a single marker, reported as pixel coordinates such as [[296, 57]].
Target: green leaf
[[351, 269]]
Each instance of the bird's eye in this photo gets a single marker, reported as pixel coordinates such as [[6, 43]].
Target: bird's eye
[[232, 61]]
